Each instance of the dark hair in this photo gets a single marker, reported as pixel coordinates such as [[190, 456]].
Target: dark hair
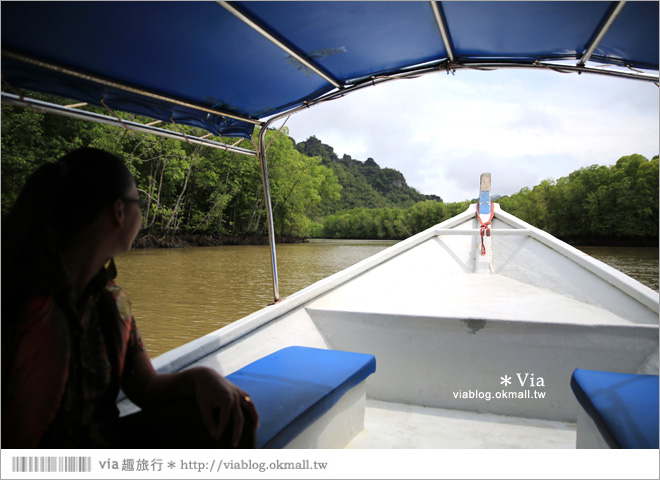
[[67, 195], [57, 202]]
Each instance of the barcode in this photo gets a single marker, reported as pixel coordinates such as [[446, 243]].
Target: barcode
[[51, 464]]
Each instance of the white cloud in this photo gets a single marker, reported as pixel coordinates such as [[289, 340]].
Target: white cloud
[[442, 131]]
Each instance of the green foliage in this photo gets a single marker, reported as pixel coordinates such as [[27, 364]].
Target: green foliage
[[389, 223], [615, 202], [314, 193], [190, 188], [30, 139], [298, 184], [364, 184], [425, 214]]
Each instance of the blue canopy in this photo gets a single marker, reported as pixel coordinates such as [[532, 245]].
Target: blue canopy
[[227, 66]]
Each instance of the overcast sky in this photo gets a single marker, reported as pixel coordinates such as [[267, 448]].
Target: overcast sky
[[442, 131]]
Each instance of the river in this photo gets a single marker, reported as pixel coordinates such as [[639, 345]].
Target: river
[[181, 294]]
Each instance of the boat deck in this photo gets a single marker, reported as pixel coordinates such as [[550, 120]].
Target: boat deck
[[510, 296], [395, 425]]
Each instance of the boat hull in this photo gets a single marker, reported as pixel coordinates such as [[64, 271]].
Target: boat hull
[[449, 334]]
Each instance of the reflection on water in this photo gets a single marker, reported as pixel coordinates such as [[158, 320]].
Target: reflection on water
[[182, 294], [179, 295], [640, 263]]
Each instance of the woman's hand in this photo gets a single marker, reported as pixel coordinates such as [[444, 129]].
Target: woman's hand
[[223, 405]]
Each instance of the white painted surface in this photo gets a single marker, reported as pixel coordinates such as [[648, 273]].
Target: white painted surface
[[390, 425], [437, 362], [436, 328], [339, 425], [588, 435]]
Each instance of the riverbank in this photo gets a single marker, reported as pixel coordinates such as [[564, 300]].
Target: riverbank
[[611, 241], [189, 239]]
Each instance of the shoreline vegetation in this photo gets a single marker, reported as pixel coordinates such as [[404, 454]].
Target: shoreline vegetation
[[200, 196], [187, 239], [147, 240]]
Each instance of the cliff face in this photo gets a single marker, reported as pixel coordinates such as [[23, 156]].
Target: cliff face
[[365, 184]]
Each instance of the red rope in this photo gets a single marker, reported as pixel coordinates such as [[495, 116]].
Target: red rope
[[485, 226]]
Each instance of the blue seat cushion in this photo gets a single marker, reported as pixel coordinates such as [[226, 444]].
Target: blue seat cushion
[[293, 387], [624, 406]]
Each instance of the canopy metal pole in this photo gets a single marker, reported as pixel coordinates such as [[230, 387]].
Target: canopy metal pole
[[600, 34], [445, 65], [47, 107], [269, 210], [280, 43], [69, 111], [120, 86], [440, 19]]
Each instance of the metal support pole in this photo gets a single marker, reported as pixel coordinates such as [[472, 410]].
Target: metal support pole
[[591, 48], [68, 111], [123, 87], [269, 210], [279, 43], [440, 19]]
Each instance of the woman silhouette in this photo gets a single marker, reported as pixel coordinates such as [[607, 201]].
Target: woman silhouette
[[69, 339]]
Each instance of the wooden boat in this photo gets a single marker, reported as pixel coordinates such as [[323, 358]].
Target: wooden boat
[[467, 334]]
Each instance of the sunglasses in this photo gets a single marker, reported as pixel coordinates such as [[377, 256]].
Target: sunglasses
[[141, 202]]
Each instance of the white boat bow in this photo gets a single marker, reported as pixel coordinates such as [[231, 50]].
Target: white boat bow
[[486, 358]]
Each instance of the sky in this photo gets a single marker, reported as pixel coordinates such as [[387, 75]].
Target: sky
[[522, 126]]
